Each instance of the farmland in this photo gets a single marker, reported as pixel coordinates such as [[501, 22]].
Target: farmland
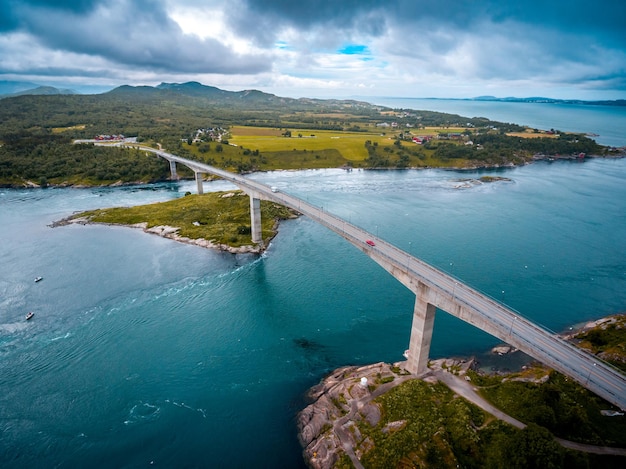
[[265, 148], [351, 145]]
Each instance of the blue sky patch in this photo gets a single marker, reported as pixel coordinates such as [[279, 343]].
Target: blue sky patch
[[354, 49]]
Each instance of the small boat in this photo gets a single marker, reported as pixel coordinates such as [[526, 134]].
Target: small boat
[[29, 315], [38, 279]]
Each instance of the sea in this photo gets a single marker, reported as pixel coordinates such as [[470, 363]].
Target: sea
[[146, 352]]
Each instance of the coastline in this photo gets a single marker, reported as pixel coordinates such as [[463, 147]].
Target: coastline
[[28, 184], [171, 232], [330, 426]]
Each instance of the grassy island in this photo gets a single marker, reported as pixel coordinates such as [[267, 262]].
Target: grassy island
[[220, 219]]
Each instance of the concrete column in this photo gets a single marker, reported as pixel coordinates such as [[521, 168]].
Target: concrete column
[[199, 183], [255, 219], [421, 335], [173, 174]]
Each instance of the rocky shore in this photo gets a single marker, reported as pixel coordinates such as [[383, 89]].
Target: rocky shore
[[344, 401], [328, 427], [170, 232]]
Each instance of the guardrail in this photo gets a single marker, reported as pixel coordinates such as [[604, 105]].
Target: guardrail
[[507, 324]]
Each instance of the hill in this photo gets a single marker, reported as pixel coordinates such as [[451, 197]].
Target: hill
[[44, 90], [196, 93], [8, 87], [19, 88]]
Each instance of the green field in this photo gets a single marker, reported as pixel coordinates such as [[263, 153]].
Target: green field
[[351, 145], [265, 149]]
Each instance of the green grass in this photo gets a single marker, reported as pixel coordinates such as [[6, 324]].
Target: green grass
[[351, 145], [608, 340], [442, 430], [225, 220], [562, 406], [266, 149], [439, 430]]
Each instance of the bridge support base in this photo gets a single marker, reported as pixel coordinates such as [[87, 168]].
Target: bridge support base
[[173, 174], [199, 183], [255, 220], [421, 335]]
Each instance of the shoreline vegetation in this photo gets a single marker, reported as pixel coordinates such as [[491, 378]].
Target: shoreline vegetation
[[379, 415], [292, 160]]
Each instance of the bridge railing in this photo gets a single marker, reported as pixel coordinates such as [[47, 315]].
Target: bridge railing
[[513, 326], [500, 318]]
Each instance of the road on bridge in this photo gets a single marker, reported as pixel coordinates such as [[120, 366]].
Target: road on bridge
[[506, 324]]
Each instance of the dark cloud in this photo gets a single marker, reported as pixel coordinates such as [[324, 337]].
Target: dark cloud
[[605, 19], [11, 19], [134, 33], [572, 41]]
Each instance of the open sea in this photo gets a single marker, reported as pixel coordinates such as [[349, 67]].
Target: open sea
[[146, 352]]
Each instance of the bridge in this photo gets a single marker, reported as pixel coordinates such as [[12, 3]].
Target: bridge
[[434, 289]]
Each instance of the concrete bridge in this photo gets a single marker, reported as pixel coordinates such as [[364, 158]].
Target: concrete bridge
[[435, 289]]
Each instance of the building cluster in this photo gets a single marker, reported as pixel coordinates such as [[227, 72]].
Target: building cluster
[[212, 134], [419, 140], [109, 137]]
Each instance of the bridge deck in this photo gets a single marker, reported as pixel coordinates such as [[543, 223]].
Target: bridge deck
[[449, 293]]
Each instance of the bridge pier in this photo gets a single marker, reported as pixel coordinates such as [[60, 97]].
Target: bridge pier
[[173, 174], [421, 335], [199, 182], [255, 219]]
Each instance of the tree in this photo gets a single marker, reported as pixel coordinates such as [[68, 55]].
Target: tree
[[535, 448]]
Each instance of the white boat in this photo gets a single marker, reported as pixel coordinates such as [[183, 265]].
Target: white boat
[[29, 315], [38, 279]]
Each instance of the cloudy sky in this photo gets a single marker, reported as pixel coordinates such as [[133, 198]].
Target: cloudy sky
[[323, 48]]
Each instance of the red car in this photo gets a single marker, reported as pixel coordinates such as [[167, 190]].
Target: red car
[[370, 242]]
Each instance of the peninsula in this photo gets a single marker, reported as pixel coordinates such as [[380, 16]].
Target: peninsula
[[381, 416], [244, 132]]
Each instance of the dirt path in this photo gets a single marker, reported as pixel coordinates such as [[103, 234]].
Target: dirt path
[[465, 389]]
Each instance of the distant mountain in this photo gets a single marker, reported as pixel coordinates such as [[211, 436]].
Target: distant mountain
[[20, 88], [192, 88], [11, 87], [537, 99], [44, 90], [210, 95]]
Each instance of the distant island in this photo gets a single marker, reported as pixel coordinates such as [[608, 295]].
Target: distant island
[[609, 102]]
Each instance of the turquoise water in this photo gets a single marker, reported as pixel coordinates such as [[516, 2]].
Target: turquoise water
[[607, 122], [147, 352]]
